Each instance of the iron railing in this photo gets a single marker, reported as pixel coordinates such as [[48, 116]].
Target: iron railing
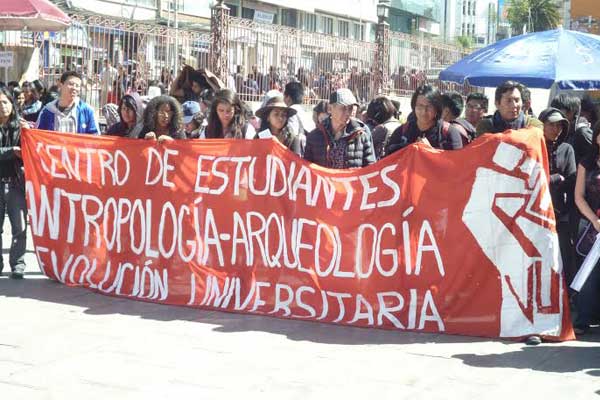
[[259, 57]]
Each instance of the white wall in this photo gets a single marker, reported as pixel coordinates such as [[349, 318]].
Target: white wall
[[455, 18]]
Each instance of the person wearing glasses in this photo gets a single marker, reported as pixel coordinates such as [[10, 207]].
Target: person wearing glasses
[[477, 108], [68, 113], [162, 120], [425, 124]]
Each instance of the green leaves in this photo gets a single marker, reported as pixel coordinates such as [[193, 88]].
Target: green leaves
[[536, 15]]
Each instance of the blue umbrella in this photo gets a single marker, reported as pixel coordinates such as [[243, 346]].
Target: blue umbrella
[[538, 60]]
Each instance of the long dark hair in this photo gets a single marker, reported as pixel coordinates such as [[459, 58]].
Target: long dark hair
[[151, 111], [214, 130], [594, 153], [264, 122], [13, 118]]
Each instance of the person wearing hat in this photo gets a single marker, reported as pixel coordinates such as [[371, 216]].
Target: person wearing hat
[[340, 141], [563, 170], [189, 109], [274, 117]]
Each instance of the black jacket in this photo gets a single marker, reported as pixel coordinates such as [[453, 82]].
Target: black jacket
[[580, 137], [563, 171], [442, 135], [359, 151], [10, 164]]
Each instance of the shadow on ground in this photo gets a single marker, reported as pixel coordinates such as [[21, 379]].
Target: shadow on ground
[[37, 287], [560, 359]]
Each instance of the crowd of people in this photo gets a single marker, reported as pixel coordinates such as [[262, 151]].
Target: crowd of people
[[340, 133]]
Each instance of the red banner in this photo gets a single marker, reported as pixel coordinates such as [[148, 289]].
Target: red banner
[[459, 242]]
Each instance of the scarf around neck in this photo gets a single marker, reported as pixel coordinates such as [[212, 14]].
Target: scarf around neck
[[500, 125]]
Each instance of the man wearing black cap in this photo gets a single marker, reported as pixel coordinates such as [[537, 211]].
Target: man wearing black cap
[[341, 141]]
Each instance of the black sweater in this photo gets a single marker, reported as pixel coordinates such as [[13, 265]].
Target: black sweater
[[563, 172], [10, 164]]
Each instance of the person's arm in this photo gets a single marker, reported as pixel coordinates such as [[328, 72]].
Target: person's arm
[[454, 140], [570, 174], [580, 201], [92, 126], [308, 152], [368, 150], [41, 120], [9, 153]]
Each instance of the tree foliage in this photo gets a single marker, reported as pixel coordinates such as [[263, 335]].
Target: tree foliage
[[466, 42], [536, 15]]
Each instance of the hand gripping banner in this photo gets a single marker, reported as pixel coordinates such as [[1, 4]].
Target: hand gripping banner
[[458, 242]]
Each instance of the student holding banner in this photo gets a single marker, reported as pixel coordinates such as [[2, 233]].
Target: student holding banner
[[163, 120], [274, 122], [341, 141], [425, 124], [12, 183], [587, 198], [509, 111], [228, 118], [68, 113]]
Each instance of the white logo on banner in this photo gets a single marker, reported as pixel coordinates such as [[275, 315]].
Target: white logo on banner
[[504, 213]]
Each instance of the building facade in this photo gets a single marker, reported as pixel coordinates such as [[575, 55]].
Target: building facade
[[476, 19], [584, 16]]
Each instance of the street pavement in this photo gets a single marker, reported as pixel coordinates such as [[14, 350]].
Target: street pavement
[[67, 343]]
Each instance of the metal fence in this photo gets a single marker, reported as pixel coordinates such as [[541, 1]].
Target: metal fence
[[263, 57], [138, 54], [415, 60], [260, 57]]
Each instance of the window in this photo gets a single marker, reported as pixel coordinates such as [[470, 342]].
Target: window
[[233, 9], [289, 17], [327, 25], [462, 30], [343, 28], [247, 13], [172, 3], [473, 9], [359, 32], [310, 23], [464, 7], [469, 8]]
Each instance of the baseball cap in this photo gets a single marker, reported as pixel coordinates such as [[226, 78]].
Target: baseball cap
[[343, 97], [552, 115], [190, 108]]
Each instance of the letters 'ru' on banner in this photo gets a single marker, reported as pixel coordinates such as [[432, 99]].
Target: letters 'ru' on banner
[[461, 242]]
